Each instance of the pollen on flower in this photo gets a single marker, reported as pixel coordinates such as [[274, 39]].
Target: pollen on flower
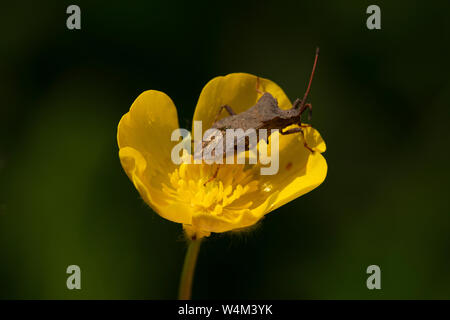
[[225, 195]]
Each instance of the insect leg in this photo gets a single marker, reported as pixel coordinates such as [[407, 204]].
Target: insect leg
[[295, 130], [309, 107], [296, 103], [212, 177], [226, 107]]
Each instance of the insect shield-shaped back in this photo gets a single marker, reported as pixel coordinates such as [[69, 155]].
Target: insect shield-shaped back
[[223, 146]]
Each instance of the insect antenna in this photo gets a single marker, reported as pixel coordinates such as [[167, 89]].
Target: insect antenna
[[302, 104]]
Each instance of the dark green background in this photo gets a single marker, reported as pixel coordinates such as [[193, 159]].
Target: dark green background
[[381, 102]]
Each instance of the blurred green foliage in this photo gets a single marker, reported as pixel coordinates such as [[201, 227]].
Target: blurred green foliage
[[380, 101]]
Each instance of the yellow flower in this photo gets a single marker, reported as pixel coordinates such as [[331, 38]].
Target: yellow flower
[[239, 196]]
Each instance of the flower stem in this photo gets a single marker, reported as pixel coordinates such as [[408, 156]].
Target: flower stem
[[187, 275]]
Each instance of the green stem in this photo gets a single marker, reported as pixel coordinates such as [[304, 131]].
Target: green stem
[[187, 275]]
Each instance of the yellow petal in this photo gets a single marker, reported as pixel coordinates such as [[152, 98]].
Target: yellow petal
[[144, 139], [244, 218]]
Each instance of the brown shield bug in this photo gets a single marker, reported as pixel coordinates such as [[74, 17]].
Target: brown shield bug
[[265, 114]]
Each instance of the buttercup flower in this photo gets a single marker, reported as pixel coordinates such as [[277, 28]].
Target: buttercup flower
[[239, 196]]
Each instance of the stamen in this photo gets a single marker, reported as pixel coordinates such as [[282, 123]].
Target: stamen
[[218, 197]]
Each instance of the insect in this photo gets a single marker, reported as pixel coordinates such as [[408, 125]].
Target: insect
[[265, 114]]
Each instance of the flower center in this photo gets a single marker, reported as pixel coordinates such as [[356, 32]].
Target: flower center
[[220, 190]]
